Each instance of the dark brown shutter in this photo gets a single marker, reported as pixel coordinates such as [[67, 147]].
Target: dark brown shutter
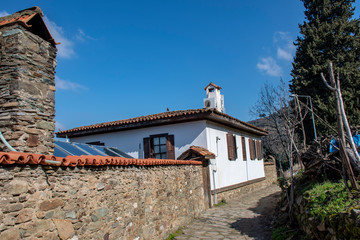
[[260, 150], [243, 148], [235, 148], [251, 146], [146, 147], [170, 148], [253, 149], [230, 146]]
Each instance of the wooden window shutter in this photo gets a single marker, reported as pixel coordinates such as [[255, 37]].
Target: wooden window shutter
[[235, 148], [243, 148], [251, 146], [230, 146], [254, 149], [146, 147], [258, 149], [170, 147]]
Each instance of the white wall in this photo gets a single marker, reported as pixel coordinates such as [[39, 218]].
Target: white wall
[[230, 172], [198, 133], [185, 135]]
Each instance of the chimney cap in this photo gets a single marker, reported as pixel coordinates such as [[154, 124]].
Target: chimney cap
[[212, 84]]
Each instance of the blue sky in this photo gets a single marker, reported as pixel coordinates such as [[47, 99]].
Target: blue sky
[[122, 59]]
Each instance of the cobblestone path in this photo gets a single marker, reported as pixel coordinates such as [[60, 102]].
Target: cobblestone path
[[247, 217]]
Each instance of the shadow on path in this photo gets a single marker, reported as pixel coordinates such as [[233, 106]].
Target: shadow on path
[[246, 217], [259, 226]]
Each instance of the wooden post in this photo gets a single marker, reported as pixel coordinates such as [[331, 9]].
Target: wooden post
[[206, 182]]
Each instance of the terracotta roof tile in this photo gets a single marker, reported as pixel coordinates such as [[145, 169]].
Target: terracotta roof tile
[[84, 160], [23, 18], [203, 151], [160, 116], [196, 152]]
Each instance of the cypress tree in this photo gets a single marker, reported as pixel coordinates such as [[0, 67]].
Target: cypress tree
[[329, 33]]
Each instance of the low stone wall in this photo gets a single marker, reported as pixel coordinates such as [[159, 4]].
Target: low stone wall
[[108, 202], [343, 226], [270, 178]]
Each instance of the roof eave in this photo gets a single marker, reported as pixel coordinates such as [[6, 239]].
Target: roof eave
[[131, 126], [235, 124], [209, 115]]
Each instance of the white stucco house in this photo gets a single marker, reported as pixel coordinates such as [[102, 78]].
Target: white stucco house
[[236, 144]]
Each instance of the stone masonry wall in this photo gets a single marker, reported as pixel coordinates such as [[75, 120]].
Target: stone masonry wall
[[270, 178], [27, 90], [109, 202]]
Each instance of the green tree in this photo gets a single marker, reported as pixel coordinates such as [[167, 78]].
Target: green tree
[[329, 33]]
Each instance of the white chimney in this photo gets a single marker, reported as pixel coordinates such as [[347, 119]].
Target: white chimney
[[213, 98]]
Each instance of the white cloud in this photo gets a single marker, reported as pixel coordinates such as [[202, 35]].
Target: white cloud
[[4, 13], [282, 36], [67, 85], [82, 36], [285, 54], [65, 49], [285, 45], [269, 66], [59, 126]]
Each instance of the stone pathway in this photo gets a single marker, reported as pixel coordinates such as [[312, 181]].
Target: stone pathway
[[247, 217]]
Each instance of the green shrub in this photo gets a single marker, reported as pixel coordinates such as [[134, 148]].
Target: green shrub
[[282, 233], [175, 234], [328, 199], [222, 202]]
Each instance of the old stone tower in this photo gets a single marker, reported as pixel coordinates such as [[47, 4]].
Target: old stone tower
[[27, 82]]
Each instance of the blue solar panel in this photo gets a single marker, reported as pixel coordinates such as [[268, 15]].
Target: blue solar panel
[[88, 149], [59, 152], [71, 149], [64, 149], [106, 151], [121, 153]]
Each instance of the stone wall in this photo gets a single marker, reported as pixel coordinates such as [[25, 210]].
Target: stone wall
[[108, 202], [27, 90], [343, 226], [270, 178]]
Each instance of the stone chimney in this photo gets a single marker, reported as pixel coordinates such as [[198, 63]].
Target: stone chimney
[[27, 82]]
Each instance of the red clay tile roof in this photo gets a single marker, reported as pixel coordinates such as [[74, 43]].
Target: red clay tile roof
[[203, 151], [214, 85], [7, 158], [196, 151], [20, 19], [162, 119], [23, 18]]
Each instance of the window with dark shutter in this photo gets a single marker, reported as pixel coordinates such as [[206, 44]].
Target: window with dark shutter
[[243, 148], [159, 146], [231, 146]]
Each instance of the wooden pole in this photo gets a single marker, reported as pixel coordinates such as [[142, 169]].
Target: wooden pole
[[340, 125]]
